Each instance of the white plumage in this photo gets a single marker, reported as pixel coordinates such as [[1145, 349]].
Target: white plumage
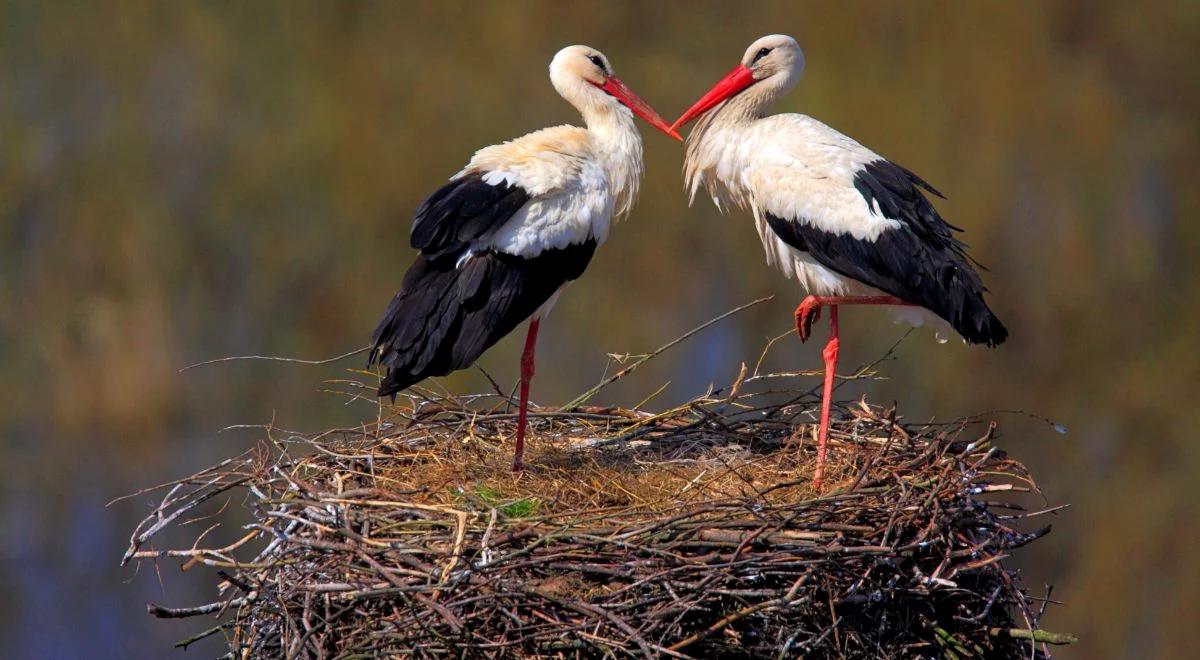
[[852, 227], [571, 189], [793, 166], [511, 229]]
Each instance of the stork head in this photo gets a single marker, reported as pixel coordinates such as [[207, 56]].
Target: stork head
[[773, 64], [583, 76]]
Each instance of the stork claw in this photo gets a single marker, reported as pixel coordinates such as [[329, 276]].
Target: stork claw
[[807, 312]]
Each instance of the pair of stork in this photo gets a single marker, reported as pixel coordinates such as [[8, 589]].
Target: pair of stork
[[501, 239]]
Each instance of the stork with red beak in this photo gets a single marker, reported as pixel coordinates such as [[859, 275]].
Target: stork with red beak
[[501, 239], [853, 227]]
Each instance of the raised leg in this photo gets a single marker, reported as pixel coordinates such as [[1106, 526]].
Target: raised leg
[[526, 379], [808, 311], [831, 355]]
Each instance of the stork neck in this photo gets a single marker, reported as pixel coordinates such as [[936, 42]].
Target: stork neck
[[751, 104], [618, 144], [744, 108], [714, 145]]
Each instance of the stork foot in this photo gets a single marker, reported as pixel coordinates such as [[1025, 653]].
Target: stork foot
[[807, 312]]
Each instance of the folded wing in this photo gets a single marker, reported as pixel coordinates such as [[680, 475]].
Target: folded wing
[[496, 243], [869, 220]]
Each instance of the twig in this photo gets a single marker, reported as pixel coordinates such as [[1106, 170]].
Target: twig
[[274, 358], [1035, 635], [643, 359], [185, 612]]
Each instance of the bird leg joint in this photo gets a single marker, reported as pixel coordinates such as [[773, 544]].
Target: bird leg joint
[[831, 351]]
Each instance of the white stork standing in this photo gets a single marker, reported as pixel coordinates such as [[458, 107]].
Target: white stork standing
[[853, 227], [507, 233]]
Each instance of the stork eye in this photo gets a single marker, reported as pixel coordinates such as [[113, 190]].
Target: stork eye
[[595, 59], [762, 52]]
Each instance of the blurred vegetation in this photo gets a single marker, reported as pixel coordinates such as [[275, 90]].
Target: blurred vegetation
[[181, 181]]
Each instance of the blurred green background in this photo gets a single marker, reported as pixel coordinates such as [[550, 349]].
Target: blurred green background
[[182, 181]]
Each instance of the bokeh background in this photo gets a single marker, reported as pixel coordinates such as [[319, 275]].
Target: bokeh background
[[183, 181]]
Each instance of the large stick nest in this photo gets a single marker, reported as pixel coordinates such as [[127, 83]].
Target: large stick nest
[[692, 532]]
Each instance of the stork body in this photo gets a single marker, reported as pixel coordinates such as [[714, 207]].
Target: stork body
[[849, 225], [501, 239]]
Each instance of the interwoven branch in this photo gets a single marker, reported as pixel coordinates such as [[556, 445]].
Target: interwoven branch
[[692, 532]]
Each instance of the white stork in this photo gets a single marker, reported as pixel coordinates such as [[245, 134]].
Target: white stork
[[508, 232], [853, 227]]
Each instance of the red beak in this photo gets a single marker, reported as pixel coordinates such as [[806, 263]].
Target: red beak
[[735, 81], [619, 91]]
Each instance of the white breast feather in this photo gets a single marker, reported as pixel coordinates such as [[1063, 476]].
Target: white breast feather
[[579, 210]]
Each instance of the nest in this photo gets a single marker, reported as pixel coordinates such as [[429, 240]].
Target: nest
[[694, 532]]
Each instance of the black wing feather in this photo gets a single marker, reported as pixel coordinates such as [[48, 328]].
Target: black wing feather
[[462, 211], [445, 315], [452, 305], [921, 262]]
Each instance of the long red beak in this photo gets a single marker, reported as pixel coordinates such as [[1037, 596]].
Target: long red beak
[[735, 81], [619, 91]]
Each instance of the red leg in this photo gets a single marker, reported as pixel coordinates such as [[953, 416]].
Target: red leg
[[526, 379], [808, 311], [831, 355]]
